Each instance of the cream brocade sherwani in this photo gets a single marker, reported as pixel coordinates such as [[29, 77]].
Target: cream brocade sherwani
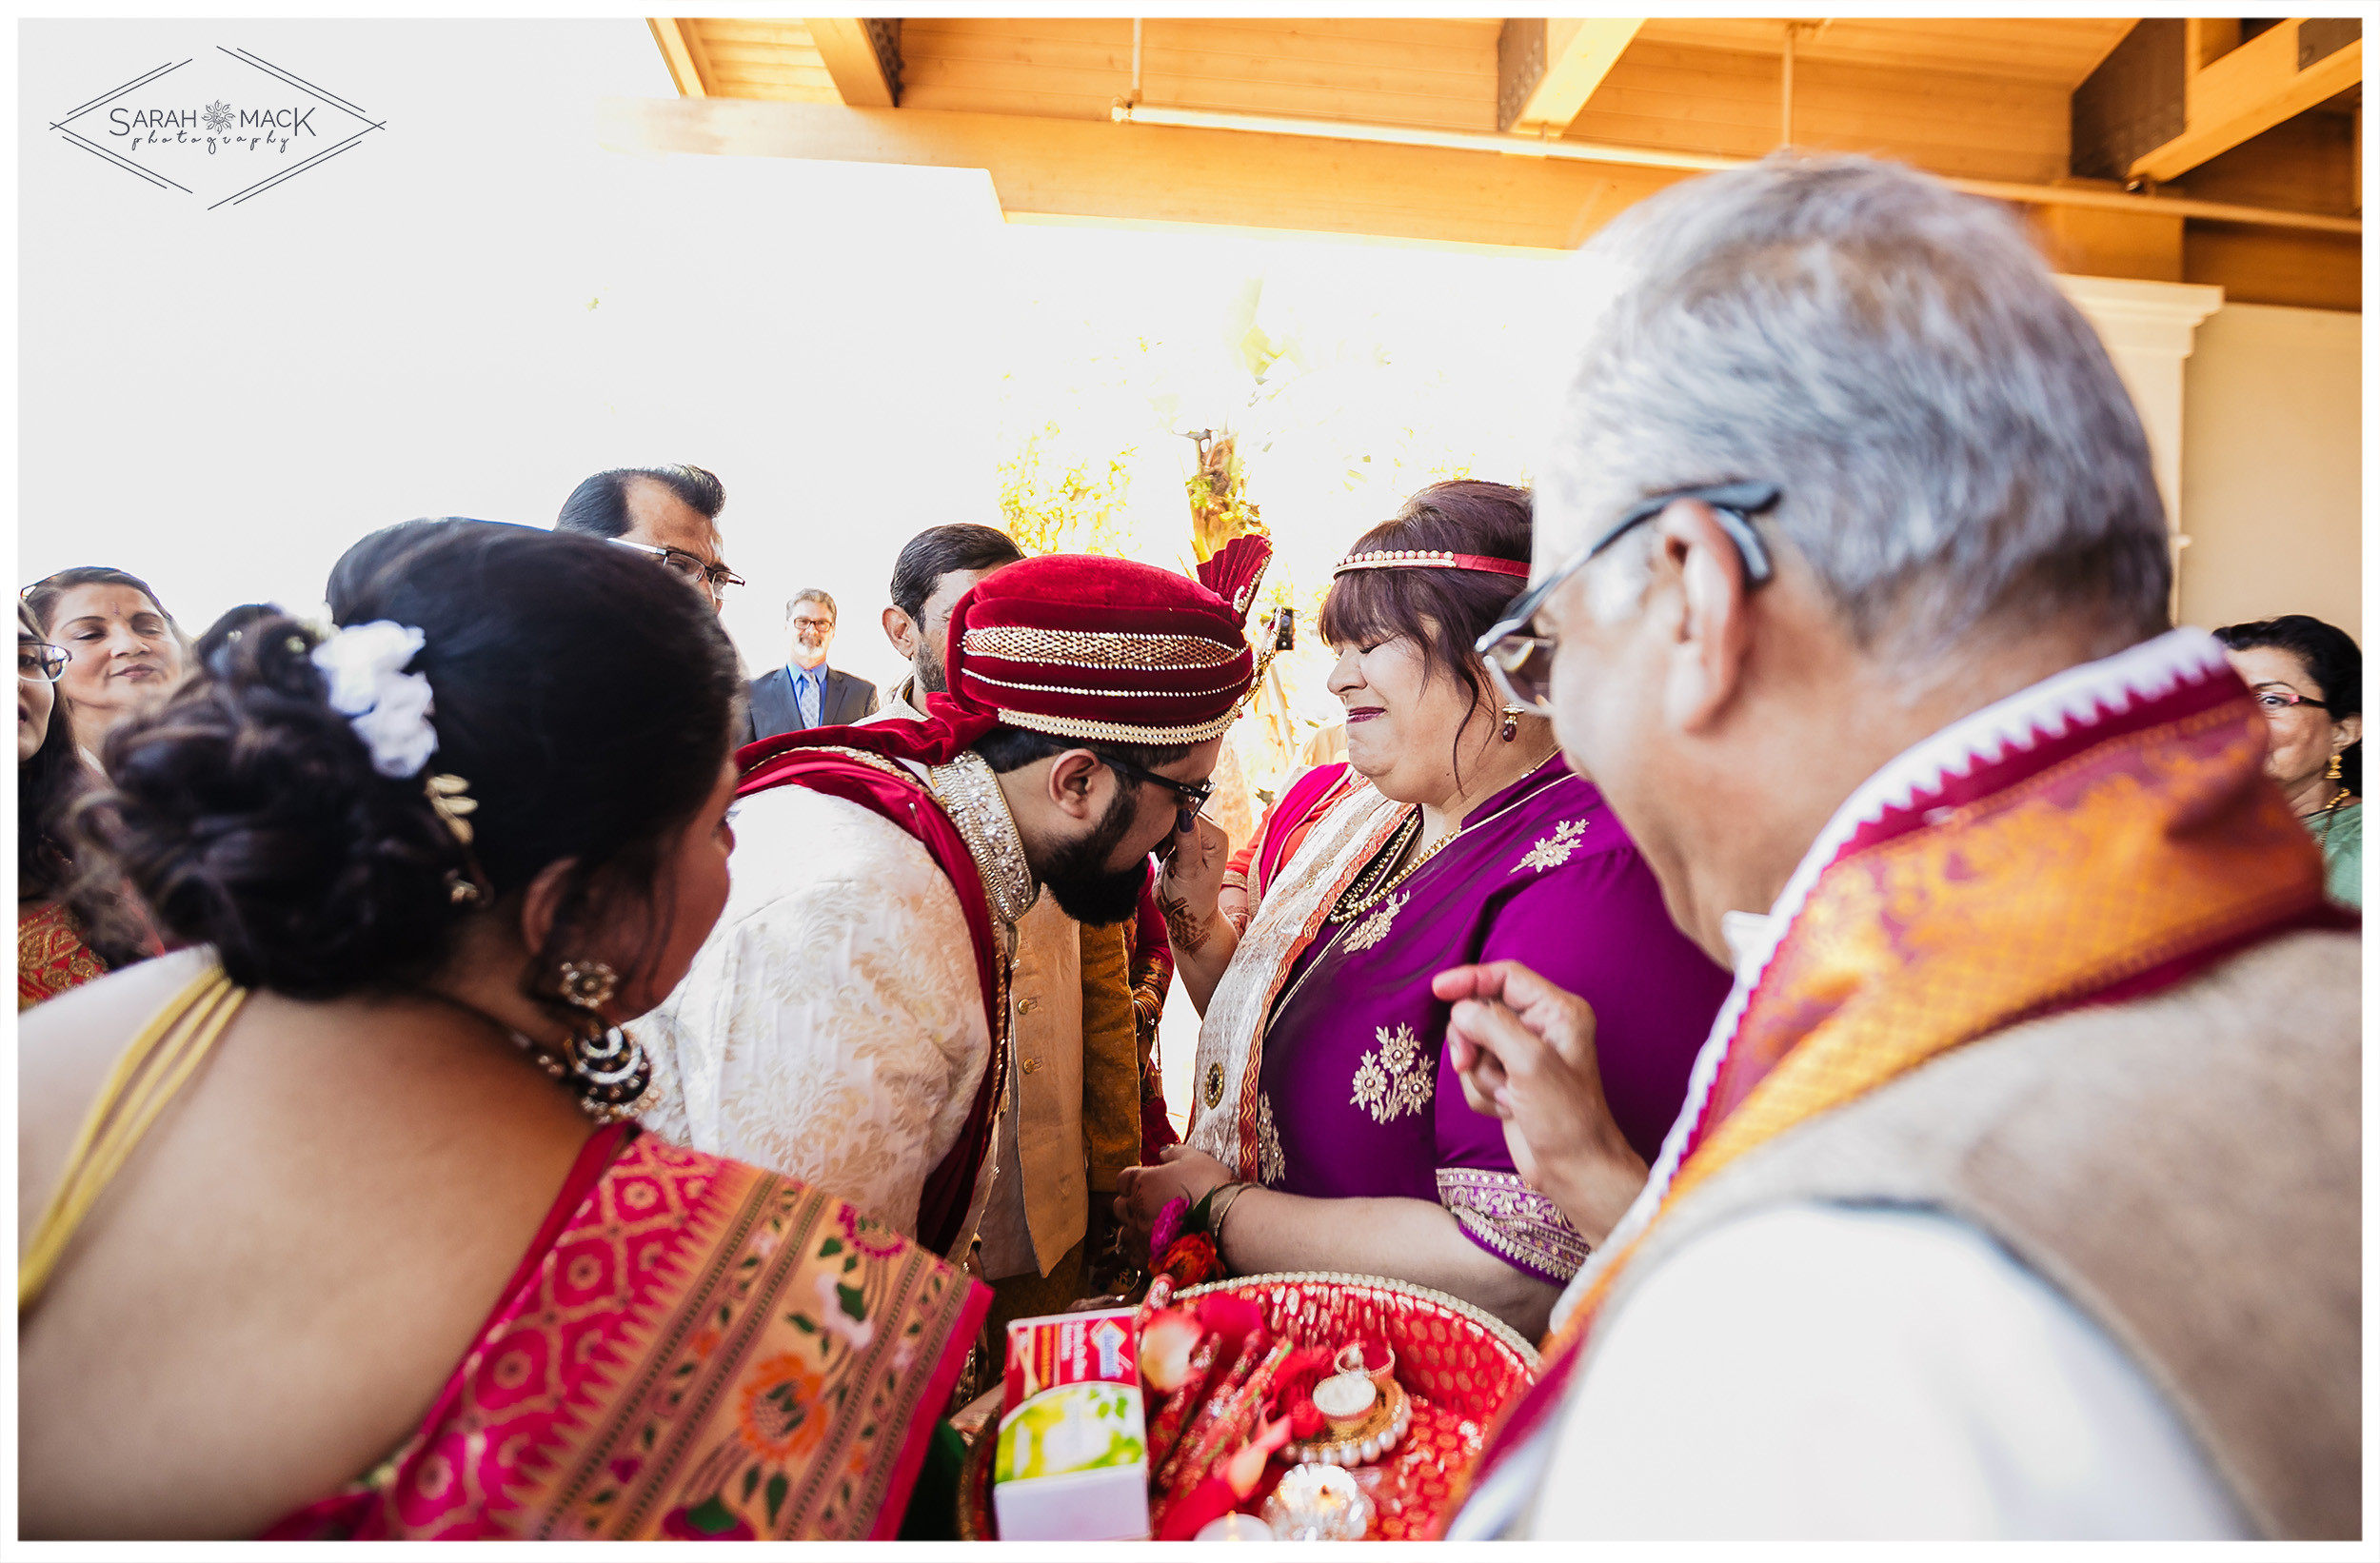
[[1038, 1205], [832, 1027]]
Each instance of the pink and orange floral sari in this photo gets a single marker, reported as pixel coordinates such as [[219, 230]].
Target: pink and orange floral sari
[[692, 1349]]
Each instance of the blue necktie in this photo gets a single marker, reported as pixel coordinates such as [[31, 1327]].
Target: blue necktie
[[805, 694]]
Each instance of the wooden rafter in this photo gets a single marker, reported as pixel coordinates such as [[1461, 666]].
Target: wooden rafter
[[854, 57], [683, 50], [2247, 90], [1150, 173], [1548, 68]]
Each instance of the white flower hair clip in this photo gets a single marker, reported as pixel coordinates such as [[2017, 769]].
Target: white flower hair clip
[[387, 708]]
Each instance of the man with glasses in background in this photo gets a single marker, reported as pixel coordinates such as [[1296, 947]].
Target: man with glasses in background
[[2016, 1192], [849, 1021], [805, 692], [668, 513]]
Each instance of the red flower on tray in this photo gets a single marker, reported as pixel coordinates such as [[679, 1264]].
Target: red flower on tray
[[1293, 1390], [1191, 1261]]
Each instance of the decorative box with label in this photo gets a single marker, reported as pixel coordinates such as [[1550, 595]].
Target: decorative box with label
[[1071, 1462]]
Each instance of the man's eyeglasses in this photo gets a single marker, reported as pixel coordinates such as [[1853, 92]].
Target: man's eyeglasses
[[714, 580], [2274, 701], [1521, 660], [1193, 794], [37, 661]]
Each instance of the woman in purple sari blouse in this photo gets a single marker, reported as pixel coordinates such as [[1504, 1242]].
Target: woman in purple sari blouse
[[1323, 1086]]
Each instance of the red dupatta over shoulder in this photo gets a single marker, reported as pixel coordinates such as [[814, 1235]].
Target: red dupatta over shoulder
[[857, 764], [2102, 834], [692, 1349]]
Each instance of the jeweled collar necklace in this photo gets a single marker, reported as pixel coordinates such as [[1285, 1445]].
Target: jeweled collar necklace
[[970, 794]]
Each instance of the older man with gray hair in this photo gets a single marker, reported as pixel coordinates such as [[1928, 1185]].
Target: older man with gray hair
[[2017, 1192], [805, 692]]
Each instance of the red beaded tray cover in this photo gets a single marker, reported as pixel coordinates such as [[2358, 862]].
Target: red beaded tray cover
[[1458, 1363]]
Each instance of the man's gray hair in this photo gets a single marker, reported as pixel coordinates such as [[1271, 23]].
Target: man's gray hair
[[812, 594], [1951, 438]]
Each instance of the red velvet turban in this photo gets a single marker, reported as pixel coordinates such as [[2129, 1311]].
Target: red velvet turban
[[1081, 647], [1077, 646]]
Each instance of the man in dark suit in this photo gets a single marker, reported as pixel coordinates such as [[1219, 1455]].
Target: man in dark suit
[[805, 692]]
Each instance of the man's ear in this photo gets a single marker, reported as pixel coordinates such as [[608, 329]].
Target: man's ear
[[1074, 785], [901, 631], [1713, 624]]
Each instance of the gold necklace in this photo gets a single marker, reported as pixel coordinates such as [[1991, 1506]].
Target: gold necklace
[[1381, 879], [1371, 885], [2320, 820]]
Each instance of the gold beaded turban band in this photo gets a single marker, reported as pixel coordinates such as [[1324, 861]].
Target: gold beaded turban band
[[1429, 559], [1112, 649]]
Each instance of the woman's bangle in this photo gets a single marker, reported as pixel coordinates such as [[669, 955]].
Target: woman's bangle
[[1216, 1214]]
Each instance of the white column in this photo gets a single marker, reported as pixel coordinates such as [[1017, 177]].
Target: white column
[[2148, 327]]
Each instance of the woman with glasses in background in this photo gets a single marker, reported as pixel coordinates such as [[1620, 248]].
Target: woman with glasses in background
[[1327, 1123], [2308, 677], [124, 651]]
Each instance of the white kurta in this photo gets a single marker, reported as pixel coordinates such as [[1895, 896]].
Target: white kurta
[[1040, 1203], [832, 1027], [1821, 1373]]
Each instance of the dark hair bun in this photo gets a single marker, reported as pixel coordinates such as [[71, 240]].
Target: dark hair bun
[[585, 697], [250, 818]]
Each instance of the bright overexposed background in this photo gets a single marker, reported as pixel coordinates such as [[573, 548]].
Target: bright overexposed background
[[480, 305]]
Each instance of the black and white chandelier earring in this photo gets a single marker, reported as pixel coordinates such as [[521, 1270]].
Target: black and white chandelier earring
[[607, 1067]]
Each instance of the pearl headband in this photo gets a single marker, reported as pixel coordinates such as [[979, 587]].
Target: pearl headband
[[1429, 559]]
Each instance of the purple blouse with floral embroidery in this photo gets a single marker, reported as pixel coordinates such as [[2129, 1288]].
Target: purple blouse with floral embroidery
[[1358, 1098]]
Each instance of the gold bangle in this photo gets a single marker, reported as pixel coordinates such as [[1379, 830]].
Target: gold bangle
[[1215, 1219]]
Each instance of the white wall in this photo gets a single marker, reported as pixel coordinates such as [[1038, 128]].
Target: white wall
[[2272, 468]]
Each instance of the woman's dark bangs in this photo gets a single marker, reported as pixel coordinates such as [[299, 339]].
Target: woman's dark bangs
[[1365, 607]]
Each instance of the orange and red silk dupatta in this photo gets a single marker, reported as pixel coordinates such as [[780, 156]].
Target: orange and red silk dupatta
[[2103, 835], [693, 1348]]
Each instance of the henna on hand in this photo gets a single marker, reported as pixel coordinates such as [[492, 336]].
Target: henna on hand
[[1187, 930]]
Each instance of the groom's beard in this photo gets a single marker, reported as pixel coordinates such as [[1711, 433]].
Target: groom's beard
[[1076, 877]]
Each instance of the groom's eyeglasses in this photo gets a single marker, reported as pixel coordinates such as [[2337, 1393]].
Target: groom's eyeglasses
[[1193, 794]]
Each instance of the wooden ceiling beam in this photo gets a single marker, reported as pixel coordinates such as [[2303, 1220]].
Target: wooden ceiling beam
[[1048, 169], [1066, 168], [1546, 70], [864, 56], [682, 50], [2247, 90]]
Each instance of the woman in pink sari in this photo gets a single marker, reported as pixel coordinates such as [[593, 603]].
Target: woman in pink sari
[[1326, 1119], [355, 1237]]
